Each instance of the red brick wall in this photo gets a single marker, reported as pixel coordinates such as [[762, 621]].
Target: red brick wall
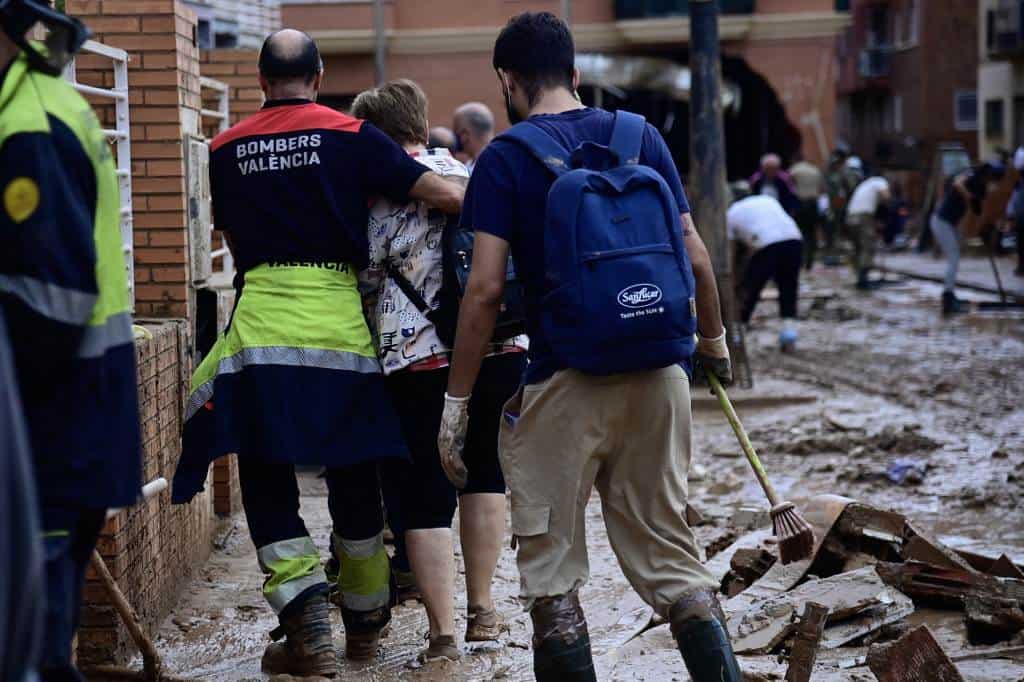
[[151, 549], [239, 70], [163, 81]]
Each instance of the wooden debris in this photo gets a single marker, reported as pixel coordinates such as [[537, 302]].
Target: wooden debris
[[895, 607], [991, 620], [1002, 567], [746, 567], [915, 657], [718, 565], [947, 587], [767, 622], [1005, 568], [805, 643]]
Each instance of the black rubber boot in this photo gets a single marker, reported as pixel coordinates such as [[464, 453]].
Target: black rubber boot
[[951, 305], [698, 626], [556, 661], [561, 643]]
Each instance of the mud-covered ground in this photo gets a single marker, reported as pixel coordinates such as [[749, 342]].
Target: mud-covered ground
[[876, 379]]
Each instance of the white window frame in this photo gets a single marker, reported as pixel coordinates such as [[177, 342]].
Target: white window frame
[[958, 123], [120, 135], [222, 114]]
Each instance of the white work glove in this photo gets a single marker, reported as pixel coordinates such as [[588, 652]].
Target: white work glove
[[451, 439], [712, 355]]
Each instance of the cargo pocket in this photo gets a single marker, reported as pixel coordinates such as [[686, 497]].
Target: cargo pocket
[[529, 520]]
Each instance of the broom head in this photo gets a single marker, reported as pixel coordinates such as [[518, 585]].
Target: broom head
[[795, 535]]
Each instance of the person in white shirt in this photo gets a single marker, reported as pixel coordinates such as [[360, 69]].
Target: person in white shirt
[[406, 255], [869, 200], [761, 224]]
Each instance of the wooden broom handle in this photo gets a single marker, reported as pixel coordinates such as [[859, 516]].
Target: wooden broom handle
[[741, 434]]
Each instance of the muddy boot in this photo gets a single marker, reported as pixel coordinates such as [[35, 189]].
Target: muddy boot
[[483, 625], [308, 649], [440, 648], [363, 630], [951, 305], [698, 626], [561, 643]]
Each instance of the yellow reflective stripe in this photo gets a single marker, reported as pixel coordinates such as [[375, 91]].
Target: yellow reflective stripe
[[292, 566], [365, 572]]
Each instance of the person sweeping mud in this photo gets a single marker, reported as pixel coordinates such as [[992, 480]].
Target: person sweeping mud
[[295, 379], [606, 400]]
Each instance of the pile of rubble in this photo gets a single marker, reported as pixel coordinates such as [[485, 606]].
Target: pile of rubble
[[861, 607]]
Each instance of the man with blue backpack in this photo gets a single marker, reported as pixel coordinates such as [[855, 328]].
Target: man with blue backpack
[[615, 279]]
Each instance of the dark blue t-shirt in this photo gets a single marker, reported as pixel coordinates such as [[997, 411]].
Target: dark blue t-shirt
[[954, 206], [293, 183], [507, 197]]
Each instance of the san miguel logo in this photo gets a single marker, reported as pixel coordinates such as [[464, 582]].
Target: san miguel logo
[[639, 296]]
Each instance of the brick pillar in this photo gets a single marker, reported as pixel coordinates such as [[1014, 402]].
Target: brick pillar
[[163, 82], [154, 548]]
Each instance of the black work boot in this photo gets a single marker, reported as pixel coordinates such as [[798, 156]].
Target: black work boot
[[308, 649], [561, 643], [363, 630], [698, 626], [951, 305]]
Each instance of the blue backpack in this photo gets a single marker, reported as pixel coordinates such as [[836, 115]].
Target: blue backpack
[[619, 290]]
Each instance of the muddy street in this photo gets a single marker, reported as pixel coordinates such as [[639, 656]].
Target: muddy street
[[883, 401]]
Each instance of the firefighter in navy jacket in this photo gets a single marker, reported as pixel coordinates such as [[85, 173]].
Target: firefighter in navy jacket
[[64, 294], [295, 379]]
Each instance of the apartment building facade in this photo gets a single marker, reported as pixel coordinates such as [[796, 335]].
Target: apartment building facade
[[908, 81], [1000, 75], [777, 54], [234, 23]]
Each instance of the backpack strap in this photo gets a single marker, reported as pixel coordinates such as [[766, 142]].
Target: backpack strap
[[545, 148], [628, 136], [406, 287]]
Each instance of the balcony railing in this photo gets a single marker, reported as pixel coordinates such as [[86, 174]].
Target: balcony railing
[[874, 62], [652, 9]]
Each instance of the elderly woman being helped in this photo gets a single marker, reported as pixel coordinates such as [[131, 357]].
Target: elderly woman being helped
[[406, 243]]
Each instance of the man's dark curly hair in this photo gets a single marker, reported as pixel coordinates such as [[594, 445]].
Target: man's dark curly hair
[[537, 48]]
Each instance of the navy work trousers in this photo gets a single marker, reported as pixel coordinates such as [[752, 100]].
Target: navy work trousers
[[779, 262], [69, 539]]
